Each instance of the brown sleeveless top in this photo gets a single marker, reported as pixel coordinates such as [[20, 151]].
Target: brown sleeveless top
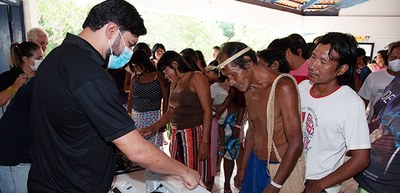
[[187, 111]]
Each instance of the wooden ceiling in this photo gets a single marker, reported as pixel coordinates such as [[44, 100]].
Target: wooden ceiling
[[307, 7]]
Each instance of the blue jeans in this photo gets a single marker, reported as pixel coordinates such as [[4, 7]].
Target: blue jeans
[[13, 179]]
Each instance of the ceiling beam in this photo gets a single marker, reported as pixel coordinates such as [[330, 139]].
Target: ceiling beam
[[308, 4], [346, 4], [271, 5], [271, 1]]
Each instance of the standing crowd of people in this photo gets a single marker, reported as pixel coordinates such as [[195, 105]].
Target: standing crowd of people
[[286, 116]]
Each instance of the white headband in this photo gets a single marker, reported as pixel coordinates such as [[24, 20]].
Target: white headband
[[230, 59]]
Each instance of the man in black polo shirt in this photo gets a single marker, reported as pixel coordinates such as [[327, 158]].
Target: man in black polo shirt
[[76, 116]]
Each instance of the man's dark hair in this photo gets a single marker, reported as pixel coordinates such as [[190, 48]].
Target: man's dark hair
[[270, 55], [361, 53], [120, 12], [231, 48], [283, 44], [392, 46], [384, 55], [300, 43], [346, 47]]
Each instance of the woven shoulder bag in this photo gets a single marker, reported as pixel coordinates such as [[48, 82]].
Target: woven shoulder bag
[[295, 182]]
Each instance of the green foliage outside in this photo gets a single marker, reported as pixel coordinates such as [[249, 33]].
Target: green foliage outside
[[176, 32]]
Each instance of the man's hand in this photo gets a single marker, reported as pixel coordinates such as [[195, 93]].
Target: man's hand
[[239, 179], [191, 179], [237, 182], [312, 186], [271, 189]]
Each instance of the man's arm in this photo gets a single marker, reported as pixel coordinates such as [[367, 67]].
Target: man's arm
[[358, 161], [365, 91], [287, 100], [137, 149]]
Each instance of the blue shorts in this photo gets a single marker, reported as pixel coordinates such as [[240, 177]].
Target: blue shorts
[[256, 178]]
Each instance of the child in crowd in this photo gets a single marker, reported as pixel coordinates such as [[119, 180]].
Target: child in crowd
[[225, 113]]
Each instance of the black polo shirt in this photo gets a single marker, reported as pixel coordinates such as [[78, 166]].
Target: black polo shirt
[[75, 115], [14, 133]]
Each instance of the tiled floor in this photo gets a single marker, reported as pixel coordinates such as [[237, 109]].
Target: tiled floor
[[219, 183]]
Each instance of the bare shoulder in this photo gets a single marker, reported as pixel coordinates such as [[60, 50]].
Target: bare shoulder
[[198, 81], [198, 75], [286, 85], [198, 78]]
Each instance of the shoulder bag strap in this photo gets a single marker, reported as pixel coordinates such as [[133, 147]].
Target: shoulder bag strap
[[270, 114]]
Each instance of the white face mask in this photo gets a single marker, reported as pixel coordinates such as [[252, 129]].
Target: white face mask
[[394, 65], [36, 66]]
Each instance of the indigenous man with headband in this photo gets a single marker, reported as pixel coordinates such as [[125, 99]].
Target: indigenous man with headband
[[239, 63]]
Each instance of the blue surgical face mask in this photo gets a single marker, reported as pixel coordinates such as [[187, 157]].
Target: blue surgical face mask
[[116, 62]]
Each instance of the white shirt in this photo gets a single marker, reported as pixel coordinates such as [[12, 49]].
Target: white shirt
[[219, 92], [334, 124]]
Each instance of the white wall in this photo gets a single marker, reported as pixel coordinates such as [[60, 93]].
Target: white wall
[[378, 19], [381, 30], [30, 14]]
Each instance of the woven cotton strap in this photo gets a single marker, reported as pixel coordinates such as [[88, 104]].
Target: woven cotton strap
[[270, 114]]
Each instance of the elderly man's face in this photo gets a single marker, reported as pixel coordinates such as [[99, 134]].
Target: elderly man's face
[[42, 41], [237, 77]]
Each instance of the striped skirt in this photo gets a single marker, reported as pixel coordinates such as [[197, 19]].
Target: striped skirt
[[184, 147]]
